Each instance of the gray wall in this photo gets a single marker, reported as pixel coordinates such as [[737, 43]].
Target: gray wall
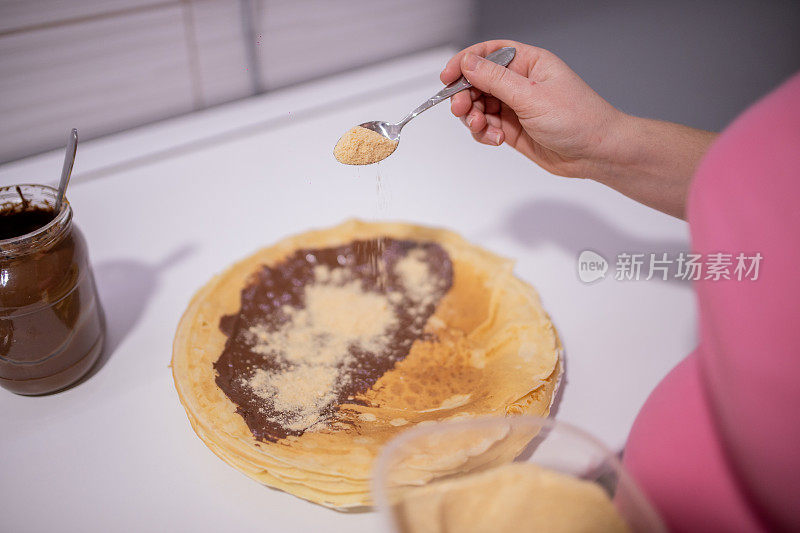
[[695, 62]]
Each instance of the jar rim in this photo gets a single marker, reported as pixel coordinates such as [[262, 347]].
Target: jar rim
[[40, 237]]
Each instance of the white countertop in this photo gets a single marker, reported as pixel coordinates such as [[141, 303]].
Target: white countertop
[[166, 206]]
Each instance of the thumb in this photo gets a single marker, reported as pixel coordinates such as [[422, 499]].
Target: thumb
[[494, 79]]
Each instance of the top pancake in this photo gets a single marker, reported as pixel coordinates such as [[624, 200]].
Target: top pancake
[[488, 348]]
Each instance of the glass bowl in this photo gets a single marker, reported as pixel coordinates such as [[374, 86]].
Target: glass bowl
[[502, 473]]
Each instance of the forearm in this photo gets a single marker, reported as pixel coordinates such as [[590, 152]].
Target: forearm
[[653, 162]]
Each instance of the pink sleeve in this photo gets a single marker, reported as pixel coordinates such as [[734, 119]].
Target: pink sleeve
[[745, 198]]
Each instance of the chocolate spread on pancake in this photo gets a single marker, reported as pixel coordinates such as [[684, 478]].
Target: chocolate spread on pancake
[[261, 359]]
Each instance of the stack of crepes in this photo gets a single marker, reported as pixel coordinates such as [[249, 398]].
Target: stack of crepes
[[488, 348]]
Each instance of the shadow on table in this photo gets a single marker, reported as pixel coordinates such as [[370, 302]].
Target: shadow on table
[[574, 229], [125, 287]]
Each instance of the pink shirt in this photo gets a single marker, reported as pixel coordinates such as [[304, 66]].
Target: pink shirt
[[717, 444]]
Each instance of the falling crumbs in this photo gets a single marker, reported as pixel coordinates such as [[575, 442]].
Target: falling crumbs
[[361, 146]]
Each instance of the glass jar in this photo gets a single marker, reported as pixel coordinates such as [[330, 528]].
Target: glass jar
[[51, 324]]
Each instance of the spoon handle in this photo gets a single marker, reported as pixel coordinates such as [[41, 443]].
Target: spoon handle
[[66, 170], [502, 57]]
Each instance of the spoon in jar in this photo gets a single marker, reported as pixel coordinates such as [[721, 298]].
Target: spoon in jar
[[374, 141], [66, 170]]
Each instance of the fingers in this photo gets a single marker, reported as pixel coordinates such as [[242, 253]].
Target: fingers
[[452, 71], [504, 84], [476, 119], [500, 82], [529, 60], [491, 135], [479, 108], [485, 128], [492, 105], [502, 96], [460, 103], [469, 107]]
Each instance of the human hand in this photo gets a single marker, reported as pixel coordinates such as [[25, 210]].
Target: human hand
[[540, 107], [537, 105]]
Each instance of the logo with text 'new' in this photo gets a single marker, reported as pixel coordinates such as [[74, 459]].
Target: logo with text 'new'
[[591, 266]]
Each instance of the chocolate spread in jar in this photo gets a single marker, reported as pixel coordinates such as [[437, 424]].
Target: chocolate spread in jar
[[51, 326], [322, 326], [15, 222]]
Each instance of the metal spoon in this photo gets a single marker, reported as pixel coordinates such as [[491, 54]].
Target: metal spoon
[[66, 170], [503, 57]]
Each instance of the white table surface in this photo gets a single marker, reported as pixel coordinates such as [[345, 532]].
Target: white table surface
[[166, 206]]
